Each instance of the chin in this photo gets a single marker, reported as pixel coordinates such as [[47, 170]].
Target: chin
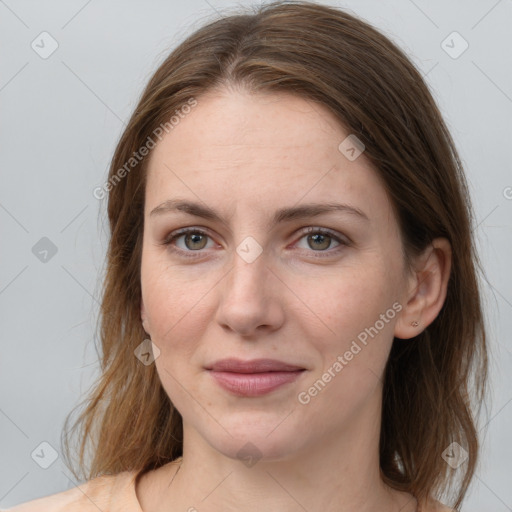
[[249, 442]]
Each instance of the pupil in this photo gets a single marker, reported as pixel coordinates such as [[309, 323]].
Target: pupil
[[195, 238]]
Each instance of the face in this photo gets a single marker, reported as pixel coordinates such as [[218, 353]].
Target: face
[[317, 289]]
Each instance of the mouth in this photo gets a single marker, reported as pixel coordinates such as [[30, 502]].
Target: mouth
[[255, 377]]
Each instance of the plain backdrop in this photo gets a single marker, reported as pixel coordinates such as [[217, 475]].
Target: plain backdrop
[[61, 116]]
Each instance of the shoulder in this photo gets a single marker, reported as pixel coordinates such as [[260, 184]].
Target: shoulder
[[108, 493], [432, 505], [443, 508]]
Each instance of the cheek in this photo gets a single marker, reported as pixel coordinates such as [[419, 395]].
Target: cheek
[[354, 317], [175, 304], [353, 349], [174, 301], [349, 298]]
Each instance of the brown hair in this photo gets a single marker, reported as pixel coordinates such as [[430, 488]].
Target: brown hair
[[331, 57]]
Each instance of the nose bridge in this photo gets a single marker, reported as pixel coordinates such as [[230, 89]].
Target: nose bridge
[[246, 301], [249, 269]]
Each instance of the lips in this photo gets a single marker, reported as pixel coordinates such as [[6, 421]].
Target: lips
[[252, 366], [253, 378]]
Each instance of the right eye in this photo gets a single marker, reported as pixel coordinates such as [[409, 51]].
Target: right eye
[[194, 240]]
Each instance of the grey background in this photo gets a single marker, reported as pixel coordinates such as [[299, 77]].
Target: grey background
[[61, 118]]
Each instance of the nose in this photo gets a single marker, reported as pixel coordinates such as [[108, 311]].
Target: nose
[[250, 298]]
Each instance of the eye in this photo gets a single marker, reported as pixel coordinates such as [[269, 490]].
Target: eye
[[194, 240], [318, 240]]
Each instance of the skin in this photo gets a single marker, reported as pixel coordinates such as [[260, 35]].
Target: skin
[[245, 156]]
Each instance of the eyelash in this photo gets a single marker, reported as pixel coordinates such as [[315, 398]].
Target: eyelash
[[321, 231]]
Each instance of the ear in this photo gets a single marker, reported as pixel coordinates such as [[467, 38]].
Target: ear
[[427, 289]]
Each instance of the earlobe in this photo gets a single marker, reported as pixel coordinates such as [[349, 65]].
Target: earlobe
[[427, 290]]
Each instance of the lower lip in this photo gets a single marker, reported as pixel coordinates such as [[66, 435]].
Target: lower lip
[[254, 384]]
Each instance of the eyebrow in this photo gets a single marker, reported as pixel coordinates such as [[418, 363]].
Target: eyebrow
[[281, 215]]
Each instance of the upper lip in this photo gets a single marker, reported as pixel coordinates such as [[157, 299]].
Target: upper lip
[[252, 366]]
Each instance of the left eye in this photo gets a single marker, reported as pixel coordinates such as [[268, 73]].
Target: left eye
[[318, 239]]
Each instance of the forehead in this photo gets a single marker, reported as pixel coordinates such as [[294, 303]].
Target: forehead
[[265, 149], [275, 125]]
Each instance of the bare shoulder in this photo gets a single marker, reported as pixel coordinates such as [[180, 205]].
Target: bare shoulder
[[436, 506], [86, 497], [443, 508]]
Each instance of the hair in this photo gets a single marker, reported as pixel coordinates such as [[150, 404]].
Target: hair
[[433, 384]]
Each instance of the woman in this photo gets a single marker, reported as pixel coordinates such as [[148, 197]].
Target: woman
[[291, 316]]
